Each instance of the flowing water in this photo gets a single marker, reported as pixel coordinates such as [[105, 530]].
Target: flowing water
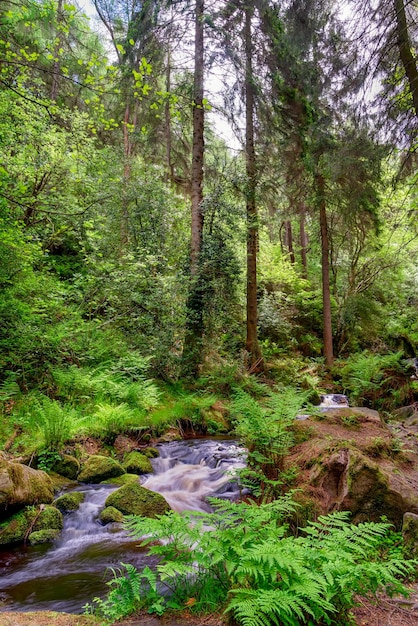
[[68, 574]]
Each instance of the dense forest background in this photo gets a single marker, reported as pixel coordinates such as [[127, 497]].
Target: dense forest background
[[134, 238]]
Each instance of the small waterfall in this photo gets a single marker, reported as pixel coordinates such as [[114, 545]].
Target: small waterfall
[[333, 401], [66, 575]]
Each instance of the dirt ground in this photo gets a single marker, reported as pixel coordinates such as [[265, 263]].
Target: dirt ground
[[383, 612]]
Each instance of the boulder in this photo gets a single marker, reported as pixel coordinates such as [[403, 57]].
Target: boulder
[[98, 468], [150, 452], [20, 525], [348, 459], [22, 486], [67, 466], [69, 501], [132, 499], [110, 515], [137, 463], [124, 479], [43, 536]]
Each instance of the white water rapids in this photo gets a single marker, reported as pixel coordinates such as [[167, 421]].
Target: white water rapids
[[67, 574]]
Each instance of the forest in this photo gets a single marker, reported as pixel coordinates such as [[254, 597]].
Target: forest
[[209, 222]]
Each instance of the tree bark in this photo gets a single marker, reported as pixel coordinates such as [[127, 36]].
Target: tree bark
[[252, 346], [198, 141], [303, 240], [326, 294], [407, 58]]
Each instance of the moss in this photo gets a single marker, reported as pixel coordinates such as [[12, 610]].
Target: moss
[[121, 480], [15, 529], [132, 499], [150, 452], [49, 518], [69, 501], [110, 515], [67, 466], [22, 486], [137, 463], [98, 468], [43, 536]]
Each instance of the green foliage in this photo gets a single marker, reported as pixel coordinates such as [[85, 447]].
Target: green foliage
[[379, 381], [249, 565], [47, 459], [265, 430]]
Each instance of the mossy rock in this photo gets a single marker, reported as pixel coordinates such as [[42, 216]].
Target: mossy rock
[[150, 452], [43, 536], [410, 535], [98, 468], [67, 466], [110, 515], [69, 501], [137, 463], [132, 499], [22, 486], [15, 529], [121, 480]]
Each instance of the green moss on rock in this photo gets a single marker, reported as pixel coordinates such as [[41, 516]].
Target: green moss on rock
[[98, 468], [121, 480], [132, 499], [137, 463], [22, 486], [43, 536], [150, 452], [110, 515], [67, 466], [69, 501], [30, 519]]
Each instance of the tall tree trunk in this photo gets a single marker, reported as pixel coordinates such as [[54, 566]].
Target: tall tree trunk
[[326, 295], [56, 70], [289, 240], [170, 164], [198, 141], [192, 351], [405, 50], [303, 240], [252, 346]]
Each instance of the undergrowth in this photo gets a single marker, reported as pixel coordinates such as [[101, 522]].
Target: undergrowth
[[250, 566]]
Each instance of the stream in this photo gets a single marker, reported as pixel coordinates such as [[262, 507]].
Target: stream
[[66, 575]]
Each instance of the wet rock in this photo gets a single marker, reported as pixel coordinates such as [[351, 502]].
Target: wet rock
[[150, 452], [124, 479], [137, 463], [67, 466], [22, 486], [43, 536], [110, 515], [132, 499], [69, 501], [98, 468], [18, 527]]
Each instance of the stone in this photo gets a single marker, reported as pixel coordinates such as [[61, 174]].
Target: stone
[[124, 479], [43, 536], [410, 534], [69, 501], [150, 452], [132, 499], [67, 466], [98, 468], [22, 486], [110, 515], [137, 463], [17, 528]]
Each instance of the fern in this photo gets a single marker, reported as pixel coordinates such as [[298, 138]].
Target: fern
[[249, 565]]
